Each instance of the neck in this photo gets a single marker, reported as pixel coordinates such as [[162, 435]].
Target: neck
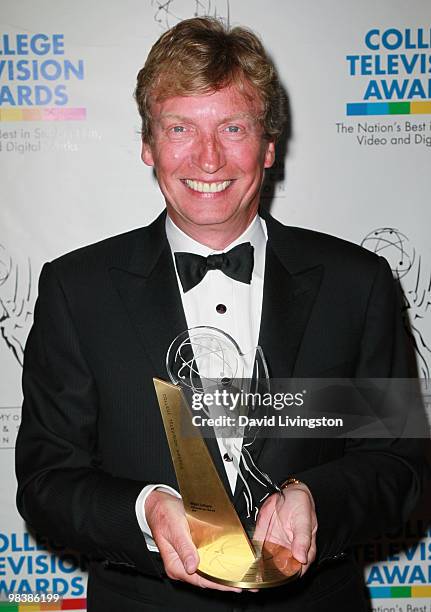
[[216, 237]]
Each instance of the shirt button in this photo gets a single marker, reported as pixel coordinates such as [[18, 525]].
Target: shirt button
[[221, 308]]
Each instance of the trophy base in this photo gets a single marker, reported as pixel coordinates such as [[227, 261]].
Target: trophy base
[[221, 561]]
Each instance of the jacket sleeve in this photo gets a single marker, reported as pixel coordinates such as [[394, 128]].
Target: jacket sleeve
[[375, 485], [61, 491]]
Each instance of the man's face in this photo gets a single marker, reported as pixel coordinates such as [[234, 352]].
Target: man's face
[[209, 155]]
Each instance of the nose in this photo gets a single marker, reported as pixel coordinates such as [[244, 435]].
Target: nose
[[209, 155]]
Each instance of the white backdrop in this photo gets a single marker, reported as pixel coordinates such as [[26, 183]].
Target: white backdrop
[[73, 175]]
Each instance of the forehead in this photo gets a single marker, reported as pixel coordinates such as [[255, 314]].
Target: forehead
[[228, 102]]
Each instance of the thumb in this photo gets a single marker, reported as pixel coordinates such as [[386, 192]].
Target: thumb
[[187, 553], [300, 546]]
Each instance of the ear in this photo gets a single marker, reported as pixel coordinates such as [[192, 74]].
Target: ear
[[147, 154], [269, 154]]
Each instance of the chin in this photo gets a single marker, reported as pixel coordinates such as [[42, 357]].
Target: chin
[[207, 220], [205, 216]]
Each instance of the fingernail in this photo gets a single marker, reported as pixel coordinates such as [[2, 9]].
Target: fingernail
[[301, 556], [190, 565]]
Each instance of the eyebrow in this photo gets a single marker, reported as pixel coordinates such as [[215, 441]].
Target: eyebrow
[[241, 115]]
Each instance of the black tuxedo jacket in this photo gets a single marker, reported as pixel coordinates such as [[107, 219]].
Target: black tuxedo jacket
[[92, 437]]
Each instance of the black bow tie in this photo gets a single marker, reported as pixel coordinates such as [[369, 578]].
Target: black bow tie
[[236, 263]]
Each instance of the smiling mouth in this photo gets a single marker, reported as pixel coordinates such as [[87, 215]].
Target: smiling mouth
[[203, 187]]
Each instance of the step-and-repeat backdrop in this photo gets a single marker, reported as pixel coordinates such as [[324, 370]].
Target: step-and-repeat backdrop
[[357, 166]]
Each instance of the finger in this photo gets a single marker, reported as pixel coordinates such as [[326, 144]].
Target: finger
[[301, 546], [302, 531], [178, 554], [311, 557], [260, 531], [304, 568], [264, 519], [183, 545], [204, 583], [312, 552], [175, 570]]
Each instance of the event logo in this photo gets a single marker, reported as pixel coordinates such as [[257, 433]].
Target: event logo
[[393, 72], [416, 287], [36, 78], [170, 12], [398, 566], [15, 302], [31, 564]]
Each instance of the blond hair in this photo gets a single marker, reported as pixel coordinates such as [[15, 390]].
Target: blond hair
[[202, 55]]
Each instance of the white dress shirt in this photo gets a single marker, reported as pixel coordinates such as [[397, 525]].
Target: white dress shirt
[[238, 314]]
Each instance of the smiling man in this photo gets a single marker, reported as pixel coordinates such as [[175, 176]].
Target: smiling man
[[93, 464]]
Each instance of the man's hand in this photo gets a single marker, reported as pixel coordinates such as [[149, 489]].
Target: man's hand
[[167, 520], [295, 522]]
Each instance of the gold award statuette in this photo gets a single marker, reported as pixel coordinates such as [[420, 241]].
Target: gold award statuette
[[226, 553]]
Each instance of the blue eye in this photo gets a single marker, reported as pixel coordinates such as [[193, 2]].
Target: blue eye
[[233, 129], [178, 129]]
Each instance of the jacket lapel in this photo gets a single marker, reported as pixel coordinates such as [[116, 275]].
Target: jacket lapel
[[287, 304], [148, 287], [291, 285]]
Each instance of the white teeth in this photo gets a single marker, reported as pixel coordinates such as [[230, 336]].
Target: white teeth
[[207, 187]]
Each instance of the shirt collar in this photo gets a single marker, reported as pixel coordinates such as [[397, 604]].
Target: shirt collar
[[256, 233]]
